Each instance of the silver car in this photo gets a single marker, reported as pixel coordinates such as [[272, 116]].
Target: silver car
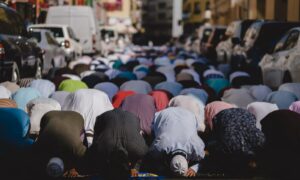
[[54, 55]]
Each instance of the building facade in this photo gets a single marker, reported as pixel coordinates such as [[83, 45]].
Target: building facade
[[225, 11]]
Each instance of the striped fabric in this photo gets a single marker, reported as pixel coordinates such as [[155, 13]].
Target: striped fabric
[[7, 103]]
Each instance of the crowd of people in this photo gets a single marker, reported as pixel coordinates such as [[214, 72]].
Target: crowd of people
[[149, 111]]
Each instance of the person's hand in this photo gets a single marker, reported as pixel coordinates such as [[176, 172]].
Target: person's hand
[[190, 173], [72, 173], [134, 173]]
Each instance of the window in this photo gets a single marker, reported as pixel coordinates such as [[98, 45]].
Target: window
[[162, 5], [36, 35], [291, 40], [56, 31], [162, 16], [197, 8], [50, 39], [71, 33]]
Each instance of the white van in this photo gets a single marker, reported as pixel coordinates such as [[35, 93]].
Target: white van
[[82, 20]]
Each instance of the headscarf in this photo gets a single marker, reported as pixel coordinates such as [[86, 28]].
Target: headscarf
[[117, 141], [143, 106], [82, 60], [212, 73], [60, 135], [162, 61], [237, 74], [184, 77], [193, 73], [14, 127], [57, 80], [192, 104], [136, 85], [161, 99], [71, 76], [60, 96], [12, 87], [4, 93], [283, 99], [45, 87], [112, 73], [154, 79], [179, 165], [36, 109], [236, 132], [8, 103], [127, 75], [295, 106], [291, 87], [260, 110], [189, 84], [212, 109], [168, 72], [71, 85], [239, 97], [200, 94], [94, 79], [120, 96], [109, 88], [24, 95], [259, 92], [217, 84], [175, 129], [80, 68], [86, 73], [173, 87], [90, 103]]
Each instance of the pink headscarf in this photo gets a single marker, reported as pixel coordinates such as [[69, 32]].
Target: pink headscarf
[[295, 106], [213, 108]]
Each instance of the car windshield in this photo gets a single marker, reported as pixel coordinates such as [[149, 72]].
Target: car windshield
[[56, 31], [35, 35]]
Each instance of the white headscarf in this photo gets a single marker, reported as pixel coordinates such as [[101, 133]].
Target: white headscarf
[[45, 87], [193, 105], [37, 108], [260, 110], [4, 93], [90, 103], [179, 165]]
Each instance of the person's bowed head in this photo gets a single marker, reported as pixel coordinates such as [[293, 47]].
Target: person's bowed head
[[179, 166]]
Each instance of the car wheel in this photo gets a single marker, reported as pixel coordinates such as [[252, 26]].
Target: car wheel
[[15, 73], [287, 77], [38, 73]]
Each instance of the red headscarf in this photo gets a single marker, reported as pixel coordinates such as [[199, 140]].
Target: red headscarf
[[161, 99], [120, 96]]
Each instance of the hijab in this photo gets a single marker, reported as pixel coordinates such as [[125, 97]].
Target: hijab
[[138, 86], [45, 87], [14, 127], [161, 99], [239, 97], [236, 132], [295, 106], [4, 93], [200, 94], [212, 109], [173, 87], [260, 110], [90, 103], [143, 106], [24, 95], [120, 96], [175, 128], [36, 109], [291, 87], [12, 87], [109, 88], [193, 105], [94, 79], [71, 85], [283, 99], [217, 84], [60, 96]]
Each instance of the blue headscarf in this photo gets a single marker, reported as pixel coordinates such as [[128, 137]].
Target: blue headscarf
[[173, 87], [45, 87], [283, 99], [14, 127], [200, 94], [24, 95]]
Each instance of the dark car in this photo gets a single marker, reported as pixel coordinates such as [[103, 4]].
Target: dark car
[[19, 56]]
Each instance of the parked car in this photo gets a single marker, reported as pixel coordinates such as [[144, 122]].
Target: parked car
[[261, 38], [283, 64], [65, 36], [19, 57], [208, 46], [54, 55], [82, 20], [235, 32]]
